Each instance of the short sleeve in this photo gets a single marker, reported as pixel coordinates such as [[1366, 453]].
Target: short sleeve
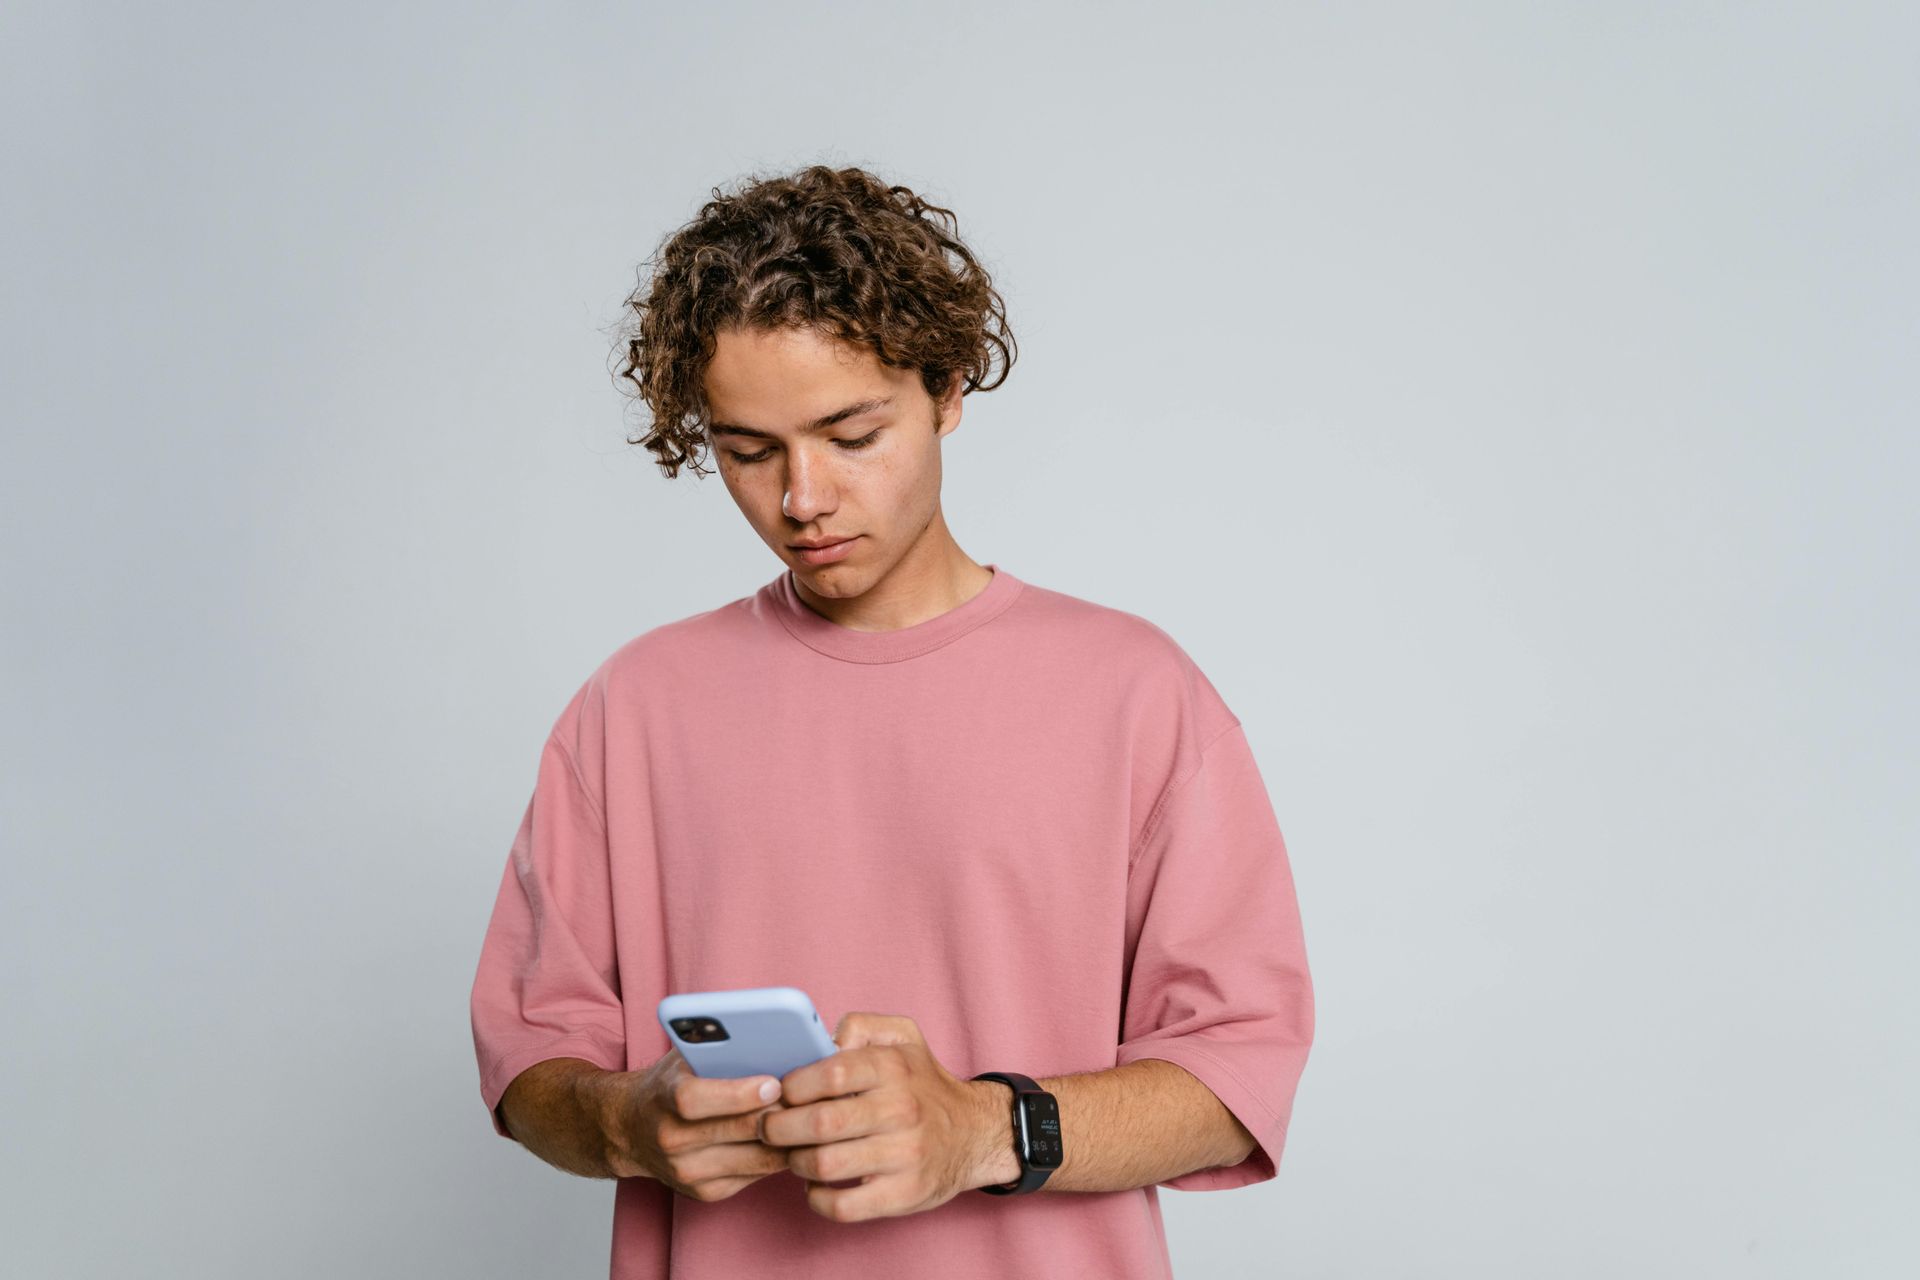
[[548, 983], [1217, 980]]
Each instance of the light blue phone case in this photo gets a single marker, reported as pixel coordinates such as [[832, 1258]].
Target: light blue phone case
[[769, 1031]]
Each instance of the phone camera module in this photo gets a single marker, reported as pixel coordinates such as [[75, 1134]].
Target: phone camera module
[[699, 1030]]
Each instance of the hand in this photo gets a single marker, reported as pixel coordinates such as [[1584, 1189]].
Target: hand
[[697, 1135], [883, 1115]]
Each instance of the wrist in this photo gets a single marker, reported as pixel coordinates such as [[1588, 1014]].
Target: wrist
[[995, 1163], [601, 1098]]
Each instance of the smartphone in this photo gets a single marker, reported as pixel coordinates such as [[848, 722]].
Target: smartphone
[[751, 1031]]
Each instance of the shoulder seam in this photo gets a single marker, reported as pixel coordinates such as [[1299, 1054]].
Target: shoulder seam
[[1161, 805], [579, 780]]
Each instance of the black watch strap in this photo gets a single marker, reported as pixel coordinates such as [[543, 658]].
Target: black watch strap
[[1036, 1132]]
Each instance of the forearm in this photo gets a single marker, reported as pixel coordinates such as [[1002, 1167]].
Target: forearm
[[1128, 1126], [556, 1110]]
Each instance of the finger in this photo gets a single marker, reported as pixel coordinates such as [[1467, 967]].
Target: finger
[[750, 1127], [832, 1120], [848, 1071], [857, 1030], [727, 1160], [718, 1132], [699, 1098], [723, 1188], [839, 1161], [857, 1203]]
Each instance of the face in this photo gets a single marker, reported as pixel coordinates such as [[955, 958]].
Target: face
[[819, 441]]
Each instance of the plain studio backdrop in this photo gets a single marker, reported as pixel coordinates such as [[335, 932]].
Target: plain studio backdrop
[[1511, 408]]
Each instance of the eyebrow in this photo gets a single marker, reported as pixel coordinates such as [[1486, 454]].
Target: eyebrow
[[818, 424]]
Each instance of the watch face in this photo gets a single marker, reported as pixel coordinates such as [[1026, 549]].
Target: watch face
[[1040, 1130]]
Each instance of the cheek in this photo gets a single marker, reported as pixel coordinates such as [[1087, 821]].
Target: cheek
[[915, 482], [757, 500], [891, 489]]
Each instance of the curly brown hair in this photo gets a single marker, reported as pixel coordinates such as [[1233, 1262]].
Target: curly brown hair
[[836, 250]]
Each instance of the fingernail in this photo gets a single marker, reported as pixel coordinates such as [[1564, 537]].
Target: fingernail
[[769, 1091]]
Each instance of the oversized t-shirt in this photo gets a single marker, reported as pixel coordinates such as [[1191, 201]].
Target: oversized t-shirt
[[1030, 823]]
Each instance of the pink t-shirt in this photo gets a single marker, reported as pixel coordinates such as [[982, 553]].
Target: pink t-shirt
[[1030, 823]]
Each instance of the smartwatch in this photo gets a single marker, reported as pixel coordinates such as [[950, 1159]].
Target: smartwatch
[[1036, 1132]]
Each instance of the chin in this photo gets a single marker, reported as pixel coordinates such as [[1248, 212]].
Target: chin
[[840, 580], [828, 579]]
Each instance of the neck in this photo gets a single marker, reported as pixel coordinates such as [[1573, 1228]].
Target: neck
[[935, 576]]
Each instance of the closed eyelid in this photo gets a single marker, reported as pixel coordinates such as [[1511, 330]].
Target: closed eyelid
[[859, 409], [851, 446]]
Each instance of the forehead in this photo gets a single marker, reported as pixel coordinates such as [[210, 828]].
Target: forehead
[[773, 379]]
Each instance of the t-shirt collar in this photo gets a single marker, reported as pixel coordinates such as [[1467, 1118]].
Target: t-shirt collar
[[829, 637]]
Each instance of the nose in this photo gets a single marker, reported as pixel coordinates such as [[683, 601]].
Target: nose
[[811, 492]]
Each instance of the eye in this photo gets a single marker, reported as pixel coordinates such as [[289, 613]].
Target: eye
[[851, 446]]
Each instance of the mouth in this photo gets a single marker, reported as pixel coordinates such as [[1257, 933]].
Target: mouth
[[823, 552]]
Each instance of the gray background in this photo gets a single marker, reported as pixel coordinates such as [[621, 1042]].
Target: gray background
[[1512, 409]]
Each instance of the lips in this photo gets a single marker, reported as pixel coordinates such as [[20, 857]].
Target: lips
[[827, 553]]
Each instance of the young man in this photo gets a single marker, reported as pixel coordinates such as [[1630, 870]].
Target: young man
[[987, 826]]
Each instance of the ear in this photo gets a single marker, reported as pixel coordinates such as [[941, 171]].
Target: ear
[[949, 405]]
